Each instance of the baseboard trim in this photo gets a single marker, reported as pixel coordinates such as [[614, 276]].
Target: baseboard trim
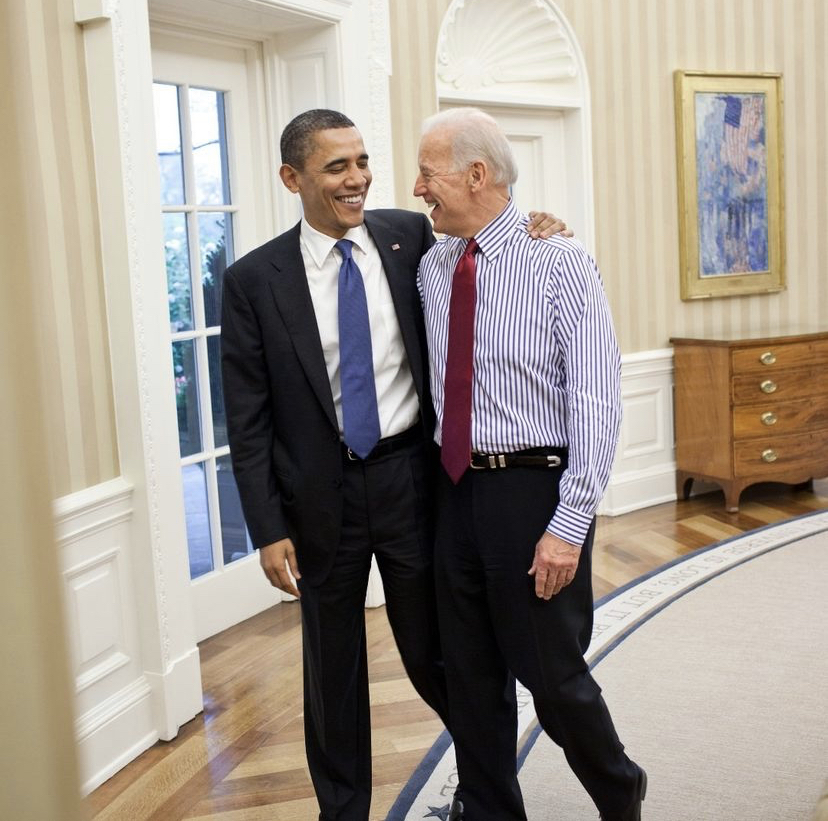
[[177, 694], [102, 731], [634, 490], [644, 469]]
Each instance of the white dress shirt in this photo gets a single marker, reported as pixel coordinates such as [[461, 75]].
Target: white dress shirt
[[396, 395]]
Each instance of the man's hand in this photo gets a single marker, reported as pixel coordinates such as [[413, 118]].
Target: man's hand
[[554, 566], [542, 225], [278, 560]]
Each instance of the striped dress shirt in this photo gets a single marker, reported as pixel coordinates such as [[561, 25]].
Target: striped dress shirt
[[546, 362]]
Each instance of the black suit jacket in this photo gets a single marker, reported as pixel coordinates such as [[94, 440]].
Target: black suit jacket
[[282, 426]]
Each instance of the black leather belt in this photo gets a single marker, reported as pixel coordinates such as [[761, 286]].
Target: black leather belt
[[531, 458], [388, 445]]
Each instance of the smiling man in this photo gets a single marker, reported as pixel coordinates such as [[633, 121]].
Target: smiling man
[[318, 500], [525, 376], [330, 424]]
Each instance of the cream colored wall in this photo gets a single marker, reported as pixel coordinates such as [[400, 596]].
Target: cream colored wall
[[66, 266], [631, 50]]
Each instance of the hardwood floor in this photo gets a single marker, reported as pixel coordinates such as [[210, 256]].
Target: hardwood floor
[[243, 758]]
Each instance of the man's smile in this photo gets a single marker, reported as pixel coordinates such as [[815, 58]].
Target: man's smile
[[351, 199]]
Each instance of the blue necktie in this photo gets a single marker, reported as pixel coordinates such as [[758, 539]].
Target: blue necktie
[[360, 417]]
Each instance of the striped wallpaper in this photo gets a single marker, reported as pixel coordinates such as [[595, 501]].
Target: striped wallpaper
[[631, 49], [66, 265]]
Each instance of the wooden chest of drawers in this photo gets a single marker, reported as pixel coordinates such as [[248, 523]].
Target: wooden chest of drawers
[[751, 410]]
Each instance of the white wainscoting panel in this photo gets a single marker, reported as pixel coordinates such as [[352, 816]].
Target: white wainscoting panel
[[115, 720], [645, 464]]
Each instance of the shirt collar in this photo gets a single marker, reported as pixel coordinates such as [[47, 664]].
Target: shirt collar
[[319, 245], [494, 237]]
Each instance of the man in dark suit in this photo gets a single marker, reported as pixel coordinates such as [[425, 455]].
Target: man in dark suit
[[333, 464]]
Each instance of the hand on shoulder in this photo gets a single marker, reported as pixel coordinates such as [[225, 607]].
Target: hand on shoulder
[[543, 225]]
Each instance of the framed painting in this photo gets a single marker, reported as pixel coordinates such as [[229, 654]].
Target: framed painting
[[730, 184]]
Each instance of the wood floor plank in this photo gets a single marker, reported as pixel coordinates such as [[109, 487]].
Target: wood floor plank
[[303, 809], [276, 757], [243, 758], [179, 802]]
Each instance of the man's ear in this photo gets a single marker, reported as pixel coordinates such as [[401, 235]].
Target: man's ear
[[290, 178], [477, 175]]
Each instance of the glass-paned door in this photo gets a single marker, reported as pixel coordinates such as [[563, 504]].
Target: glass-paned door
[[198, 213], [204, 107]]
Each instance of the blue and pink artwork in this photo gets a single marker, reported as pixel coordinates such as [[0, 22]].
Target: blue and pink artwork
[[732, 183]]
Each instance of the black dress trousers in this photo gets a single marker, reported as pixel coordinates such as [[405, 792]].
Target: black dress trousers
[[387, 513], [495, 629]]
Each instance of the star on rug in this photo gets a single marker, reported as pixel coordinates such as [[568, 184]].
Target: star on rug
[[439, 812]]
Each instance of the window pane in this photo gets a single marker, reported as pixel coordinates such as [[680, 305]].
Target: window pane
[[186, 396], [235, 541], [199, 545], [209, 147], [177, 253], [215, 237], [168, 143], [216, 391]]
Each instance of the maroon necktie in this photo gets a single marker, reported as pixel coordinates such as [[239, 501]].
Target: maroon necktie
[[457, 403]]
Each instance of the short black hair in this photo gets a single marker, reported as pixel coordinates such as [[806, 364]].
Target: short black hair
[[297, 138]]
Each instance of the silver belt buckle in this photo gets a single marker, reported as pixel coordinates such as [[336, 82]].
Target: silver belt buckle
[[553, 461], [496, 460], [352, 456], [473, 466]]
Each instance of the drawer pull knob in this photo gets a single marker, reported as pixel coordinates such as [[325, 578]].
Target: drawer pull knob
[[768, 418], [768, 386], [769, 455], [768, 358]]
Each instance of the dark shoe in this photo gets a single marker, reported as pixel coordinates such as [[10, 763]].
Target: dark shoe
[[456, 810], [633, 811]]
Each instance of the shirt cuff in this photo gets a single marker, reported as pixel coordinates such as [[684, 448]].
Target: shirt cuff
[[570, 525]]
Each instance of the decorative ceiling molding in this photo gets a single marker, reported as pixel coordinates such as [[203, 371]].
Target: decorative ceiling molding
[[495, 45]]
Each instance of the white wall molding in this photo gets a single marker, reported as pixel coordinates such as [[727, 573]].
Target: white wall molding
[[109, 736], [113, 699], [364, 64], [81, 514], [122, 705], [644, 469], [91, 11], [379, 141], [531, 46], [111, 709], [171, 690], [259, 18]]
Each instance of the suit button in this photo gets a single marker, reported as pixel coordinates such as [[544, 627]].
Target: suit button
[[335, 437], [337, 483]]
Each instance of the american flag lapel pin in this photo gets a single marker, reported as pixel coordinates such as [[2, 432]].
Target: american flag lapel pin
[[395, 246]]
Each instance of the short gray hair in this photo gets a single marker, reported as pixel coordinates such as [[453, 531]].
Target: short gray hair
[[475, 135]]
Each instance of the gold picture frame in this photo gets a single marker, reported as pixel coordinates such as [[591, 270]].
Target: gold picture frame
[[730, 183]]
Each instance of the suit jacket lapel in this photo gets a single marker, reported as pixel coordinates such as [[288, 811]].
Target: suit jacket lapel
[[390, 242], [290, 289]]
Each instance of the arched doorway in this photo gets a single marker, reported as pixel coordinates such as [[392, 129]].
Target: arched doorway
[[522, 63]]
